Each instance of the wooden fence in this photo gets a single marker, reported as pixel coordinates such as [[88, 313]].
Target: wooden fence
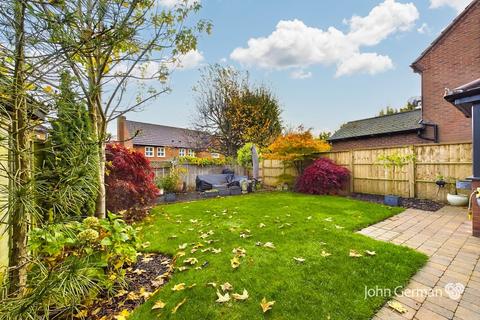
[[162, 168], [417, 179]]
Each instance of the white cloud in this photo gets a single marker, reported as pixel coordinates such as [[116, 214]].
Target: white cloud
[[190, 60], [300, 74], [424, 28], [370, 63], [296, 45], [458, 5], [173, 3], [151, 69]]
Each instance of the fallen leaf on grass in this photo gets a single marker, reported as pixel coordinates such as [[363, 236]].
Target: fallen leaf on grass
[[216, 251], [193, 285], [397, 306], [226, 287], [239, 252], [299, 259], [144, 293], [325, 254], [180, 254], [191, 261], [266, 305], [235, 262], [339, 227], [174, 310], [158, 305], [308, 218], [213, 284], [244, 235], [183, 246], [354, 254], [269, 245], [183, 268], [370, 253], [261, 225], [243, 296], [222, 298], [179, 287], [329, 219]]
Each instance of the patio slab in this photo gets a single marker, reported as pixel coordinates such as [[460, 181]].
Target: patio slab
[[448, 286]]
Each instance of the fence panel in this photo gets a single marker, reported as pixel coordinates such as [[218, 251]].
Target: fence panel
[[416, 179]]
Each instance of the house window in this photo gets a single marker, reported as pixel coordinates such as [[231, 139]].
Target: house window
[[181, 152], [149, 152], [161, 152], [191, 153], [215, 155]]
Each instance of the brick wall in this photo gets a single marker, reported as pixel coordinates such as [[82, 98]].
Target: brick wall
[[379, 141], [453, 61], [170, 153]]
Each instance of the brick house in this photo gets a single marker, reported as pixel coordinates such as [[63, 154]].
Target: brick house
[[163, 143], [451, 60]]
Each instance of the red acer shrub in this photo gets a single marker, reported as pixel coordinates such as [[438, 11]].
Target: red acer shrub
[[129, 180], [323, 176]]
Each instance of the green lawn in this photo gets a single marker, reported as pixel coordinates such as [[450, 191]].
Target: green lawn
[[330, 287]]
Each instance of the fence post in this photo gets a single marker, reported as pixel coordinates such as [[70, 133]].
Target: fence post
[[411, 173], [352, 173]]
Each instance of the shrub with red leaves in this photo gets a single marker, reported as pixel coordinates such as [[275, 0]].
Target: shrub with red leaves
[[129, 180], [323, 176]]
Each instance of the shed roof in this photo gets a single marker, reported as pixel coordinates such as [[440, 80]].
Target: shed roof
[[394, 123], [149, 134]]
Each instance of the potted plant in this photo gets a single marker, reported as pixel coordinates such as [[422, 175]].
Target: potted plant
[[394, 162], [456, 199], [170, 184], [440, 181]]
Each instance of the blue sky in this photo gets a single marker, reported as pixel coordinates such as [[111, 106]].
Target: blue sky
[[322, 77]]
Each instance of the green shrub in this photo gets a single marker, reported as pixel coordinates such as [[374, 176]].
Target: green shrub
[[170, 183], [244, 155], [202, 162]]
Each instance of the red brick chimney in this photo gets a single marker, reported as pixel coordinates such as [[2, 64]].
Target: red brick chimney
[[123, 136]]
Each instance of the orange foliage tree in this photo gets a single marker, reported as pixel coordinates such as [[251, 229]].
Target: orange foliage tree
[[296, 148]]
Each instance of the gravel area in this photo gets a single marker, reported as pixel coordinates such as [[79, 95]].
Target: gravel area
[[422, 204]]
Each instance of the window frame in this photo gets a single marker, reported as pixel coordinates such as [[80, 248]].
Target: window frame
[[191, 152], [182, 152], [152, 150], [162, 154], [215, 155]]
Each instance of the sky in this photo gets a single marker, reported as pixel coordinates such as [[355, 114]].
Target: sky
[[327, 61]]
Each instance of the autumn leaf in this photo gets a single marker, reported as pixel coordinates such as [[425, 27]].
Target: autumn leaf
[[174, 310], [325, 254], [261, 225], [269, 245], [183, 246], [180, 254], [397, 306], [81, 314], [138, 271], [226, 287], [183, 268], [338, 227], [213, 284], [191, 261], [216, 251], [329, 219], [266, 305], [222, 298], [299, 259], [122, 315], [144, 293], [158, 305], [243, 296], [244, 235], [354, 254], [239, 252], [235, 262], [179, 287], [370, 253]]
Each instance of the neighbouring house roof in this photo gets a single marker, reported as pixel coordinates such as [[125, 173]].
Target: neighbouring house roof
[[394, 123], [166, 136], [458, 96], [444, 33]]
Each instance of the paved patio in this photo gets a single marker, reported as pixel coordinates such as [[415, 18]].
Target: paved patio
[[452, 271]]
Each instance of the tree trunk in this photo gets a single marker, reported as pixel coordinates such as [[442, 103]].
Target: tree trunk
[[21, 164], [101, 205]]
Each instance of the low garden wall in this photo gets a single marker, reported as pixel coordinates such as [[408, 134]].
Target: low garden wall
[[414, 180]]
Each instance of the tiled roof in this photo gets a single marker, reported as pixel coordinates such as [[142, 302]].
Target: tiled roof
[[165, 136], [445, 32], [394, 123]]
